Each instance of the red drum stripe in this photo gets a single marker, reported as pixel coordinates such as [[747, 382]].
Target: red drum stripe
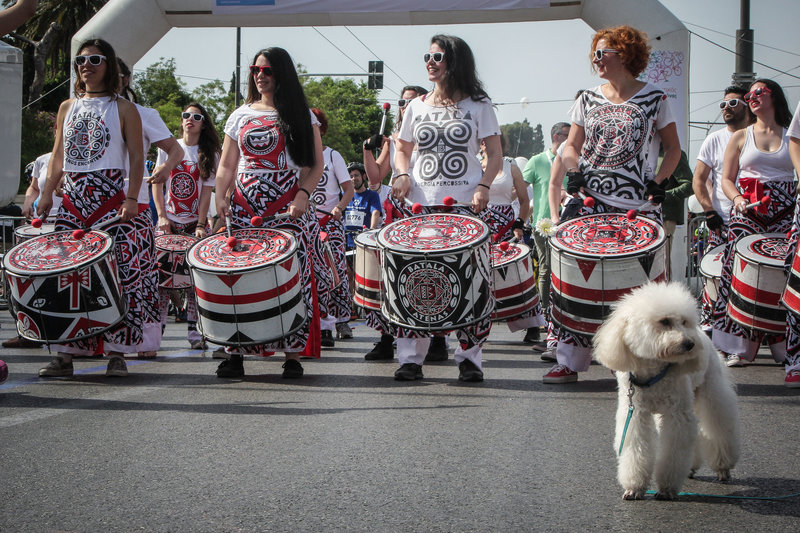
[[368, 283], [515, 289], [255, 297], [574, 325], [598, 295], [754, 294], [750, 321], [791, 300]]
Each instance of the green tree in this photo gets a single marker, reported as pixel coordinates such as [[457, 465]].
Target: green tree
[[352, 110], [538, 140], [521, 139], [37, 138], [158, 85], [218, 101]]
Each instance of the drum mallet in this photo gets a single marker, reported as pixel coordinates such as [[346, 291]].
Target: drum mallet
[[765, 201], [416, 207], [631, 214], [386, 107], [588, 201]]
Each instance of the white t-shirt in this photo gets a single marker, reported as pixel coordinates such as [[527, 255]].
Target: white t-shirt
[[39, 173], [620, 153], [326, 195], [153, 130], [502, 189], [182, 190], [93, 136], [712, 154], [447, 141]]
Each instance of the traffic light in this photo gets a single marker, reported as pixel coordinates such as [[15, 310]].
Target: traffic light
[[375, 80]]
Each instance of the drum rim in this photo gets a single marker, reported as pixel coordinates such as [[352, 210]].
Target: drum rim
[[710, 253], [106, 250], [556, 245], [478, 242], [513, 259], [369, 244], [122, 315], [290, 253], [18, 230], [744, 253]]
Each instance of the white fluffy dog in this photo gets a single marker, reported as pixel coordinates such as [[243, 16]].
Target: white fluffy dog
[[669, 372]]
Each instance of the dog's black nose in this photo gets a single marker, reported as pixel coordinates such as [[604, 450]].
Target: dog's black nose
[[688, 345]]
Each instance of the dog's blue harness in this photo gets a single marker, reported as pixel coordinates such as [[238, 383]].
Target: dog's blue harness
[[642, 385]]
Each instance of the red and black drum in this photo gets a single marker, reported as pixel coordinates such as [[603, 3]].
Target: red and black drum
[[758, 282], [368, 285], [711, 270], [436, 271], [28, 231], [597, 259], [251, 293], [173, 271], [513, 281], [63, 288], [791, 294]]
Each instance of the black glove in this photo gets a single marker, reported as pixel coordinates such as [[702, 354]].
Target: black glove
[[713, 220], [656, 190], [374, 142], [575, 181]]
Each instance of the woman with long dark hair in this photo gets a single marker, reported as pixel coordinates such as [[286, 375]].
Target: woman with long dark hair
[[459, 113], [273, 153], [94, 176], [757, 163], [183, 201]]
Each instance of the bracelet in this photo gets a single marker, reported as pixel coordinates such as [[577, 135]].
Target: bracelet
[[400, 175], [132, 198], [305, 191], [737, 196], [484, 185]]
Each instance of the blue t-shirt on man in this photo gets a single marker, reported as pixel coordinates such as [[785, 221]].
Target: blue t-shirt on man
[[359, 213]]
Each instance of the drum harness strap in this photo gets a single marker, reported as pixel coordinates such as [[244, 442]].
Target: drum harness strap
[[272, 208], [642, 385]]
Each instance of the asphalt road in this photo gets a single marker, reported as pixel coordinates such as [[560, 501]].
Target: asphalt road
[[347, 448]]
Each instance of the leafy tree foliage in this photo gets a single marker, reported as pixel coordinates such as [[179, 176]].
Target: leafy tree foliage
[[352, 110], [521, 139], [158, 85]]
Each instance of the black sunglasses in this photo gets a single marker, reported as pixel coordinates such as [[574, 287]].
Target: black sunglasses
[[758, 92], [197, 117], [94, 59], [733, 102], [402, 103], [436, 56], [255, 69]]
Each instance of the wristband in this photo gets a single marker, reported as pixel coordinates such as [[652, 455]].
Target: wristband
[[518, 224], [737, 196], [484, 185], [400, 175], [305, 191], [132, 198]]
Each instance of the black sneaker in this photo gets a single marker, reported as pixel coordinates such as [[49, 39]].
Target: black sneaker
[[327, 339], [382, 349], [408, 372], [231, 368], [437, 351], [531, 336], [292, 369], [467, 371]]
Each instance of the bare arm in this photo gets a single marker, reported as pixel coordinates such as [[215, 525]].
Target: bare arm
[[226, 175], [31, 194], [494, 163], [572, 147], [174, 156], [794, 153], [730, 170], [202, 211], [347, 194], [377, 168], [555, 191], [521, 189], [55, 168], [131, 125], [700, 185], [13, 17], [309, 179], [402, 158], [672, 152], [375, 222]]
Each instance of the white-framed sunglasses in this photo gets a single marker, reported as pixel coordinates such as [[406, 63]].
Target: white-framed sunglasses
[[197, 117], [94, 59], [437, 57], [598, 54], [732, 103]]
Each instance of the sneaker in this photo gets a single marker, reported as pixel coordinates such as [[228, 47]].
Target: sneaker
[[467, 371], [437, 351], [20, 342], [57, 368], [531, 336], [231, 368], [539, 347], [117, 367], [383, 349], [3, 371], [733, 359], [327, 339], [343, 331], [792, 379], [549, 355], [147, 355], [408, 372], [199, 345], [560, 374], [220, 353], [180, 315], [292, 369]]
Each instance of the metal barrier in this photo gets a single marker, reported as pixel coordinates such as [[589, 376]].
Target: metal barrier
[[696, 244], [7, 225]]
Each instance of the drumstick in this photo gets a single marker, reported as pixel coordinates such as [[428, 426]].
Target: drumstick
[[588, 201], [631, 214], [231, 241], [386, 107], [416, 207], [765, 201]]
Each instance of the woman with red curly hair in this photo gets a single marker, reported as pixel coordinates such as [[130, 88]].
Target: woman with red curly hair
[[611, 155]]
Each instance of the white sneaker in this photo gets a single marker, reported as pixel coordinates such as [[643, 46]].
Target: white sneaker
[[549, 355], [733, 359], [220, 353]]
